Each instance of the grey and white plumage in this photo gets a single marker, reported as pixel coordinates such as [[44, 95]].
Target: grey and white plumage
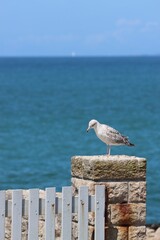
[[108, 135]]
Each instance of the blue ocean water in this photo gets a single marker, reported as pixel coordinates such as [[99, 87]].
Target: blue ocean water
[[45, 106]]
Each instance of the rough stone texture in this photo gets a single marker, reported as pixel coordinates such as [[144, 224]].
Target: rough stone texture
[[75, 232], [124, 179], [137, 192], [157, 234], [118, 167], [128, 214], [116, 233], [77, 182], [91, 218], [150, 233], [137, 233], [116, 192]]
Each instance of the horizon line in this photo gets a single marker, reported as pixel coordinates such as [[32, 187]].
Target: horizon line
[[78, 56]]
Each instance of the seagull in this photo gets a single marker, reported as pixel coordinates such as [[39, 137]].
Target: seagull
[[108, 135]]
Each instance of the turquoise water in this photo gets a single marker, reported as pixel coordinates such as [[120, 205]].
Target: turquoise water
[[45, 106]]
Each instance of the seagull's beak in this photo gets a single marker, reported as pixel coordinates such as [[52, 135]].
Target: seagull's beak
[[88, 129]]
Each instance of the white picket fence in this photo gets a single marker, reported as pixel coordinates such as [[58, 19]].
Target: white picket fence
[[67, 205]]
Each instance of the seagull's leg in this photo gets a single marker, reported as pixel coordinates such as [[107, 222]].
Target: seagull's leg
[[108, 150]]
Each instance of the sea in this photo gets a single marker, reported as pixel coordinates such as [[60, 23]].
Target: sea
[[47, 102]]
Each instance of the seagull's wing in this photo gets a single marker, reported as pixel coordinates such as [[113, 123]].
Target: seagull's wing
[[115, 136]]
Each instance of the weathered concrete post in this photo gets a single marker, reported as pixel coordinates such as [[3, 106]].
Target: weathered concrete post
[[125, 181]]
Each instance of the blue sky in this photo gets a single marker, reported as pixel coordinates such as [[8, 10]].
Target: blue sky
[[81, 28]]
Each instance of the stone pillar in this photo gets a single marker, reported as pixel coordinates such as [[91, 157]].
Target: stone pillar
[[125, 181]]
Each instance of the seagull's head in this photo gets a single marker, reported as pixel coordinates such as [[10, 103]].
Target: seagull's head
[[92, 124]]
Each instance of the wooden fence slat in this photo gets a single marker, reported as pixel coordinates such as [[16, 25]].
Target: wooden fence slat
[[65, 204], [2, 214], [33, 214], [16, 214], [58, 205], [66, 213], [99, 212], [50, 213], [83, 213]]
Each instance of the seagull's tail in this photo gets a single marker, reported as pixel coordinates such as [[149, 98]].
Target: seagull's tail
[[130, 144], [127, 142]]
